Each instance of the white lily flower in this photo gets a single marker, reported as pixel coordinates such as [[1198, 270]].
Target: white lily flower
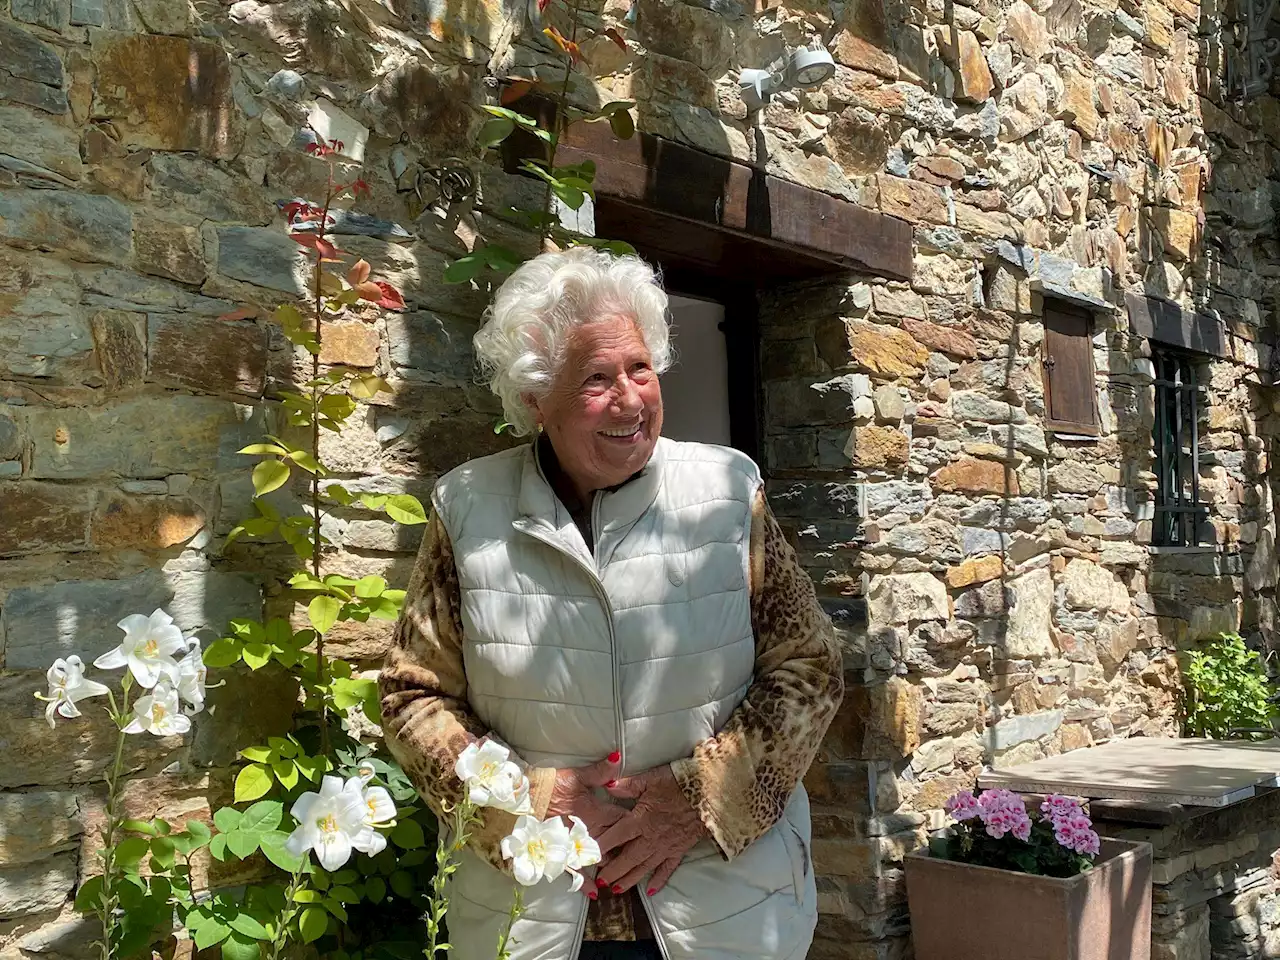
[[380, 809], [583, 851], [365, 771], [492, 780], [67, 686], [147, 649], [193, 678], [333, 823], [159, 712], [538, 851]]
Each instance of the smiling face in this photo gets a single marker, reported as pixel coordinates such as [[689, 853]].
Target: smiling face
[[603, 414]]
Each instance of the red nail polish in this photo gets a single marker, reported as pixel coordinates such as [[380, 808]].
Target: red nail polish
[[615, 757], [592, 895], [600, 883], [616, 889], [651, 891], [611, 784]]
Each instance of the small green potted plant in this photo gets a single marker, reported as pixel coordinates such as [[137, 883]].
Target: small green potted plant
[[1006, 885]]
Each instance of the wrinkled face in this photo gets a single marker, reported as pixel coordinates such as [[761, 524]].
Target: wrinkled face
[[604, 411]]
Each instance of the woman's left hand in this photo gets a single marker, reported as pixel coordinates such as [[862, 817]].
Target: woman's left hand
[[654, 837]]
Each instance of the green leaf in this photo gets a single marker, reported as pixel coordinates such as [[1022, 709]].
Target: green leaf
[[311, 767], [240, 946], [344, 894], [323, 613], [131, 850], [243, 844], [369, 386], [307, 462], [252, 782], [336, 908], [336, 491], [402, 883], [247, 925], [370, 586], [383, 608], [89, 896], [287, 315], [263, 816], [140, 826], [261, 449], [199, 831], [258, 754], [269, 475], [622, 124], [572, 196], [211, 933], [218, 846], [403, 508], [273, 849], [162, 851], [375, 888], [223, 652], [256, 655], [286, 772], [312, 924], [307, 896], [464, 269], [408, 835], [495, 131]]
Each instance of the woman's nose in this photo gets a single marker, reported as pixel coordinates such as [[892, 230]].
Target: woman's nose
[[628, 398]]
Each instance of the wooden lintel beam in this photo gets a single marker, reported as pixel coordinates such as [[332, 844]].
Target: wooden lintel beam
[[672, 179]]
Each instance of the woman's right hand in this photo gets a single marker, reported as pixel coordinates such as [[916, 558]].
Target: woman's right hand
[[573, 794]]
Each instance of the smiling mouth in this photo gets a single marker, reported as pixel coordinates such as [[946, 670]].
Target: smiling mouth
[[622, 433]]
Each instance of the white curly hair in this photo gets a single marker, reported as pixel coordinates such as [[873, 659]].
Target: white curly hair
[[522, 344]]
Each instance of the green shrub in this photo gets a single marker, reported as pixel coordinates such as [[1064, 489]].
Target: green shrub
[[1227, 689]]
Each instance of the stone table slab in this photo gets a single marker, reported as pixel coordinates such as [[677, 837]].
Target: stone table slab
[[1203, 773]]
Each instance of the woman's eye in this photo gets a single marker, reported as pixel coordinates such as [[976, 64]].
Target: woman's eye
[[597, 379]]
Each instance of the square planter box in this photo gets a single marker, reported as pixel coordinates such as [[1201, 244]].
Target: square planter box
[[964, 912]]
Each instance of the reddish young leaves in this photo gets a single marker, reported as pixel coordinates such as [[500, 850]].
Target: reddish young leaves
[[391, 299], [514, 91], [568, 46], [613, 34], [320, 245], [358, 273], [244, 313]]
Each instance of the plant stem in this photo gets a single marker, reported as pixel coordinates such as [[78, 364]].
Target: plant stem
[[504, 938], [276, 947], [464, 818], [556, 124], [321, 672], [110, 897]]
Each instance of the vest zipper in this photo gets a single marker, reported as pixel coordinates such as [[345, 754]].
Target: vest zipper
[[613, 640], [598, 586]]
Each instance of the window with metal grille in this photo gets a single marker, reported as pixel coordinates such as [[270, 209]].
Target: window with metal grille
[[1180, 518]]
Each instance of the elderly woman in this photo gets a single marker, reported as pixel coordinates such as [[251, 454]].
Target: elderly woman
[[623, 611]]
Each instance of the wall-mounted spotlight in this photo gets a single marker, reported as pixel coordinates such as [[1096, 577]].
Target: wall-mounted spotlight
[[807, 67]]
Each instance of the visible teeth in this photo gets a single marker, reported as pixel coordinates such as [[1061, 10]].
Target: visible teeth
[[621, 432]]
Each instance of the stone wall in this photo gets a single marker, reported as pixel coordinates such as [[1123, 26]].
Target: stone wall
[[1214, 893], [1014, 610]]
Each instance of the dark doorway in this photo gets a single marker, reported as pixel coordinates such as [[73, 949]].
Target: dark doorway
[[710, 265]]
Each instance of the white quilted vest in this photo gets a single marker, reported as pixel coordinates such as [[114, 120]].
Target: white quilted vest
[[644, 647]]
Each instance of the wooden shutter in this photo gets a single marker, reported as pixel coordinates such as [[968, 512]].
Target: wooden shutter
[[1069, 391]]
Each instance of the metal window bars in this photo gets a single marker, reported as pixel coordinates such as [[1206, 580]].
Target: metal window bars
[[1180, 518]]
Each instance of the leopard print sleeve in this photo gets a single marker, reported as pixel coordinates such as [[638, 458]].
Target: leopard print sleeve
[[426, 717], [739, 781]]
